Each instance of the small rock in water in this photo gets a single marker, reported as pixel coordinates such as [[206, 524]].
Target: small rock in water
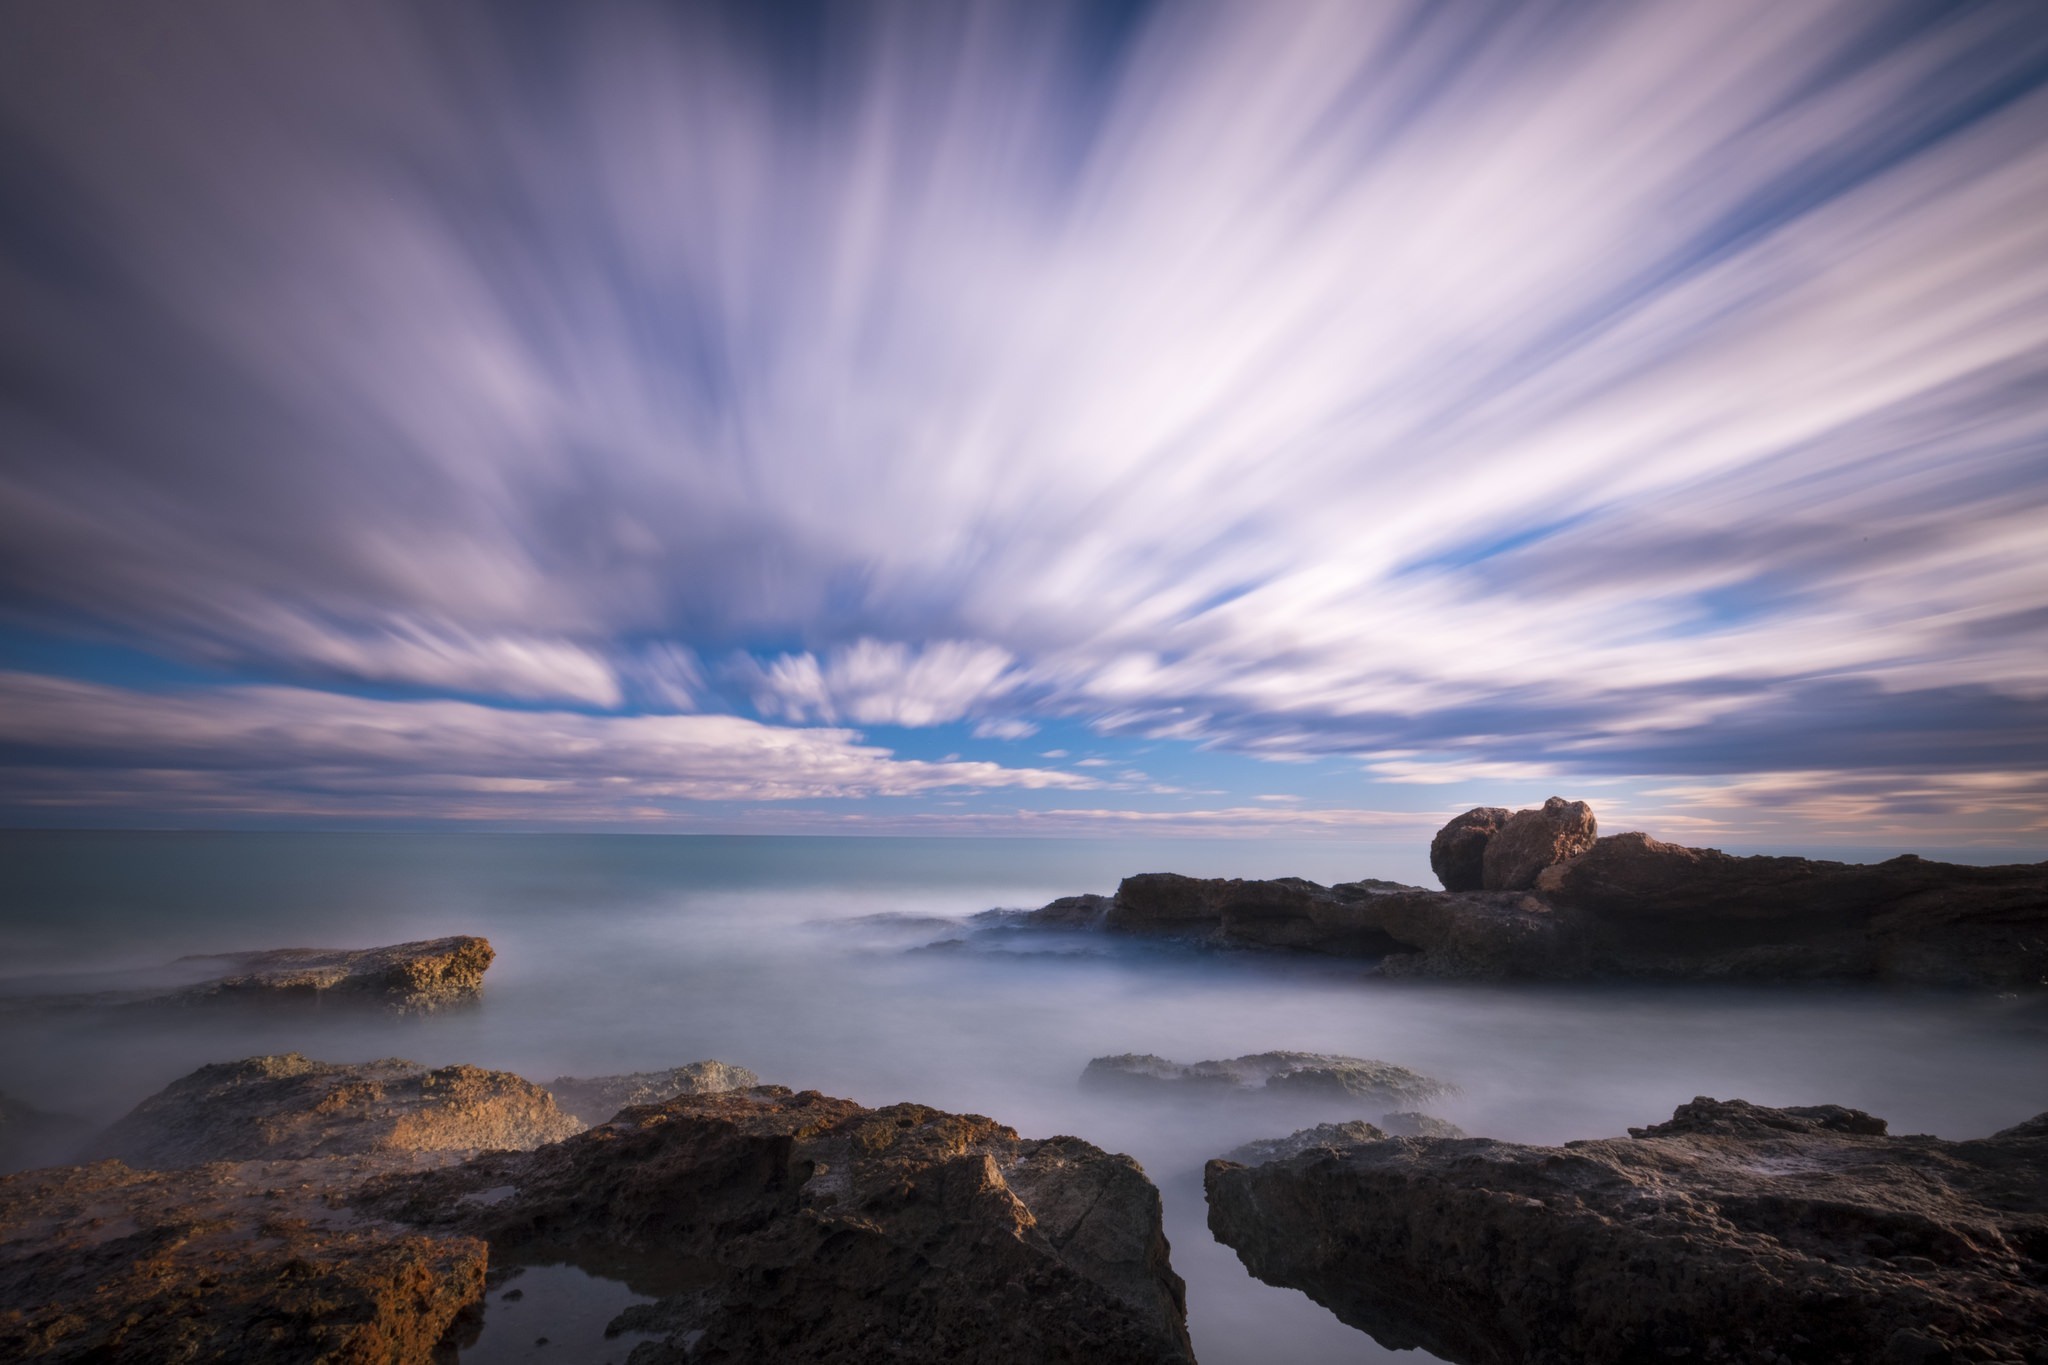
[[1262, 1150], [1411, 1124], [1297, 1074], [595, 1099]]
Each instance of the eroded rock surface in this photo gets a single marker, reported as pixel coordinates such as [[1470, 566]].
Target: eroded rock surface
[[1732, 1233], [1531, 840], [259, 1262], [812, 1229], [290, 1106], [1300, 1075], [593, 1099], [1458, 852]]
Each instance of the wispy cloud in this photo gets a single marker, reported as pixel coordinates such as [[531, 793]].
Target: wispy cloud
[[1590, 390]]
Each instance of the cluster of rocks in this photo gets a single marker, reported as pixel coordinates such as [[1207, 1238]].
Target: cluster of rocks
[[1732, 1233], [1539, 894], [284, 1209]]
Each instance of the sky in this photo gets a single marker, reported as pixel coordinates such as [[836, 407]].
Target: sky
[[1194, 418]]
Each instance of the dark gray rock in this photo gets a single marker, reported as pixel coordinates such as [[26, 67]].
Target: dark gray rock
[[1412, 1124], [1262, 1150], [1298, 1075], [1732, 1233], [1458, 852]]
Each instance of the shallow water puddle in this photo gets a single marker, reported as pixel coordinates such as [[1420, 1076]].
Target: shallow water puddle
[[556, 1314]]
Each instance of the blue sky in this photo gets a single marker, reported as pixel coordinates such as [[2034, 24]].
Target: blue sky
[[1212, 419]]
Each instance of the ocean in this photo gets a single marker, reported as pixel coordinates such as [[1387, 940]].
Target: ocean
[[806, 960]]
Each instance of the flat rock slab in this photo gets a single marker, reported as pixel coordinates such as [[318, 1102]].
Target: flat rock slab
[[290, 1106], [1293, 1075], [593, 1099], [1733, 1233], [811, 1229], [409, 978]]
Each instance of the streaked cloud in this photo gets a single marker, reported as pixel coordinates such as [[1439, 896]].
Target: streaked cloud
[[1484, 394]]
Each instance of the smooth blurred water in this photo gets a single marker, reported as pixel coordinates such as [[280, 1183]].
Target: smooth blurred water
[[801, 958]]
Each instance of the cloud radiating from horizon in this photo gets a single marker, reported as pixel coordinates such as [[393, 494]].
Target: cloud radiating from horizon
[[1477, 398]]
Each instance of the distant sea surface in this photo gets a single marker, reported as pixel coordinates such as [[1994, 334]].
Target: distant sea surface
[[803, 959]]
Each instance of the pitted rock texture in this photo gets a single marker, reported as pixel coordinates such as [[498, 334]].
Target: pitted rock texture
[[1531, 840], [1733, 1233], [1292, 1075], [291, 1106], [593, 1099], [257, 1262], [1458, 852], [810, 1229]]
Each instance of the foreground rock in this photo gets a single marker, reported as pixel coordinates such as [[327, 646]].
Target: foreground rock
[[257, 1262], [817, 1230], [592, 1100], [409, 978], [1292, 1075], [290, 1106], [1732, 1233], [1561, 904], [766, 1225]]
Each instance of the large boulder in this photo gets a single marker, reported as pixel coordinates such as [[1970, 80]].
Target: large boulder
[[817, 1230], [1292, 1075], [593, 1099], [1732, 1233], [1531, 840], [1458, 852], [291, 1106]]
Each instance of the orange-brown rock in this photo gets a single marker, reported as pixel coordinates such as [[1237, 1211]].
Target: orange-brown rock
[[593, 1099], [1458, 852], [292, 1106], [1530, 840], [256, 1262]]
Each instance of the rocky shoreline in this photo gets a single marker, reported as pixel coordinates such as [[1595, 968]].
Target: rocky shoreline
[[1539, 895]]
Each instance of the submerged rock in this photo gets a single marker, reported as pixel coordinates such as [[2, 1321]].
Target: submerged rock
[[1531, 840], [290, 1106], [1305, 1075], [593, 1099], [1732, 1233], [818, 1230], [1261, 1150], [1458, 852], [259, 1262]]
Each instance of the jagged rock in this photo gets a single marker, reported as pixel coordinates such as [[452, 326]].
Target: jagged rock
[[1412, 1124], [1458, 852], [1732, 1233], [1531, 840], [410, 978], [1307, 1075], [820, 1230], [1261, 1150], [290, 1106], [592, 1100], [32, 1137], [260, 1262]]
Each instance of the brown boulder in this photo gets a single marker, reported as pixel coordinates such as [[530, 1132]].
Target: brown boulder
[[1458, 852], [816, 1230], [1732, 1233], [290, 1106], [1531, 840]]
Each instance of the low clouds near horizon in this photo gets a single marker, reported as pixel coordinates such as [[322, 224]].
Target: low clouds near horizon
[[462, 411]]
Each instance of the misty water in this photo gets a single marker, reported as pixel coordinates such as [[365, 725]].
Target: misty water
[[805, 959]]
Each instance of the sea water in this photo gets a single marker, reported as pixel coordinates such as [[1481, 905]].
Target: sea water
[[808, 960]]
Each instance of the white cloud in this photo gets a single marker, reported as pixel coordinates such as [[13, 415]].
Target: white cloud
[[1007, 728], [872, 682]]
